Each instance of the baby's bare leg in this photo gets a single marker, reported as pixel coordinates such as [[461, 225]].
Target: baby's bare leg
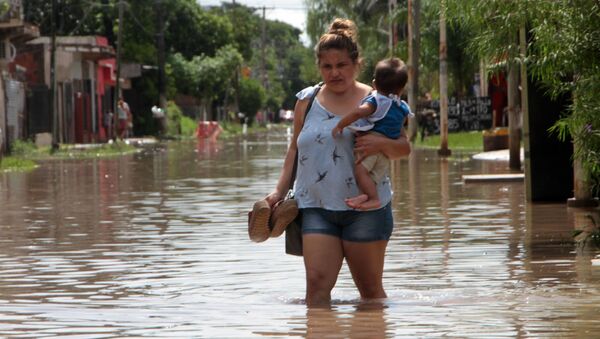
[[369, 199]]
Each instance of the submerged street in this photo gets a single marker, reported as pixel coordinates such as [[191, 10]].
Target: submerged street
[[155, 245]]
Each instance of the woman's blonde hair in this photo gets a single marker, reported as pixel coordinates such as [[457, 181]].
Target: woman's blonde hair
[[342, 35]]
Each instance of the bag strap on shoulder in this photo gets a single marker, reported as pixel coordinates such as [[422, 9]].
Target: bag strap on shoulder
[[310, 102], [312, 98]]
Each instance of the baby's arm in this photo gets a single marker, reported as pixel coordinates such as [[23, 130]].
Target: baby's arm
[[362, 111]]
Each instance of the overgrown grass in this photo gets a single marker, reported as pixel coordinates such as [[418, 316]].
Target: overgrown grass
[[188, 126], [25, 155], [232, 129], [20, 164], [93, 151], [467, 141]]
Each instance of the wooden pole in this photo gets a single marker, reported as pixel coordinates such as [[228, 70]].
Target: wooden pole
[[53, 112], [391, 27], [160, 55], [525, 108], [414, 9], [514, 133], [444, 150], [118, 65]]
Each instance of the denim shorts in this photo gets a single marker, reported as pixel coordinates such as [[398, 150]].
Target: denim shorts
[[356, 226]]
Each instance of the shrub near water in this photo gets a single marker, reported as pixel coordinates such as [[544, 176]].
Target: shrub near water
[[17, 161], [179, 124], [16, 164], [469, 141]]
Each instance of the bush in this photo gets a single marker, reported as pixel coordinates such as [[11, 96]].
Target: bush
[[188, 126], [22, 148], [177, 123], [16, 164]]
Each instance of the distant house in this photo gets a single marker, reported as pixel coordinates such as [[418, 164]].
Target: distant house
[[85, 80], [14, 32]]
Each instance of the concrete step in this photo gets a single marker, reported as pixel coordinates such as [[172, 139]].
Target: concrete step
[[509, 177]]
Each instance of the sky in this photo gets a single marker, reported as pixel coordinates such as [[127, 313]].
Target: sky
[[292, 12]]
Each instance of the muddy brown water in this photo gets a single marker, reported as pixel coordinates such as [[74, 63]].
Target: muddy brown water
[[155, 245]]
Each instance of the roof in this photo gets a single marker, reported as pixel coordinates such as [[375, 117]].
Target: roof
[[92, 47]]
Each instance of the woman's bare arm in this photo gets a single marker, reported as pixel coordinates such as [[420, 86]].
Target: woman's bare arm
[[283, 184], [368, 144]]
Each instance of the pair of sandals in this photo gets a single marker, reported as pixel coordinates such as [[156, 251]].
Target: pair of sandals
[[264, 222]]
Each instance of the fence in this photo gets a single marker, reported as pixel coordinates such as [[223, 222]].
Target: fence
[[471, 114]]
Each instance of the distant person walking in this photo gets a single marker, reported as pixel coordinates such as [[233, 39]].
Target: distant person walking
[[124, 118]]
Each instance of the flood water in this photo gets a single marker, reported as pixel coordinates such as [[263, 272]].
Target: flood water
[[155, 245]]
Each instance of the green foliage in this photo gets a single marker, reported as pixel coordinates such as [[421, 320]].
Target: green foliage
[[177, 123], [77, 17], [15, 163], [206, 77], [230, 129], [24, 154], [247, 26], [372, 19], [91, 151], [562, 53], [233, 129], [21, 148], [173, 119], [216, 74], [4, 7], [188, 126], [193, 31], [285, 59], [252, 97]]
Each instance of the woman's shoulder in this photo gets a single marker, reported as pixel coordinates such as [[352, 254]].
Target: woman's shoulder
[[364, 88], [307, 92]]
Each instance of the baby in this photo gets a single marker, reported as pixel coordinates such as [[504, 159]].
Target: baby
[[381, 112]]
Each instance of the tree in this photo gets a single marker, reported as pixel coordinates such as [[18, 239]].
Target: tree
[[206, 77], [76, 17], [193, 31], [252, 97], [563, 54], [246, 26]]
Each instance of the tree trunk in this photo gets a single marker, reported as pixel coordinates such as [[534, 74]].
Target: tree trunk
[[582, 188], [525, 104], [391, 27], [514, 131], [444, 150], [414, 9]]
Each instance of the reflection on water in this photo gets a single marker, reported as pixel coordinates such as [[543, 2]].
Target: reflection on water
[[155, 245]]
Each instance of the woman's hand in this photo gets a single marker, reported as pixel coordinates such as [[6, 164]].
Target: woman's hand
[[368, 144], [274, 197], [336, 131]]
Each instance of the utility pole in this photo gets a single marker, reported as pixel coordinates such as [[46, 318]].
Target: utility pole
[[118, 83], [414, 10], [444, 150], [53, 113], [160, 51], [263, 43], [392, 27]]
